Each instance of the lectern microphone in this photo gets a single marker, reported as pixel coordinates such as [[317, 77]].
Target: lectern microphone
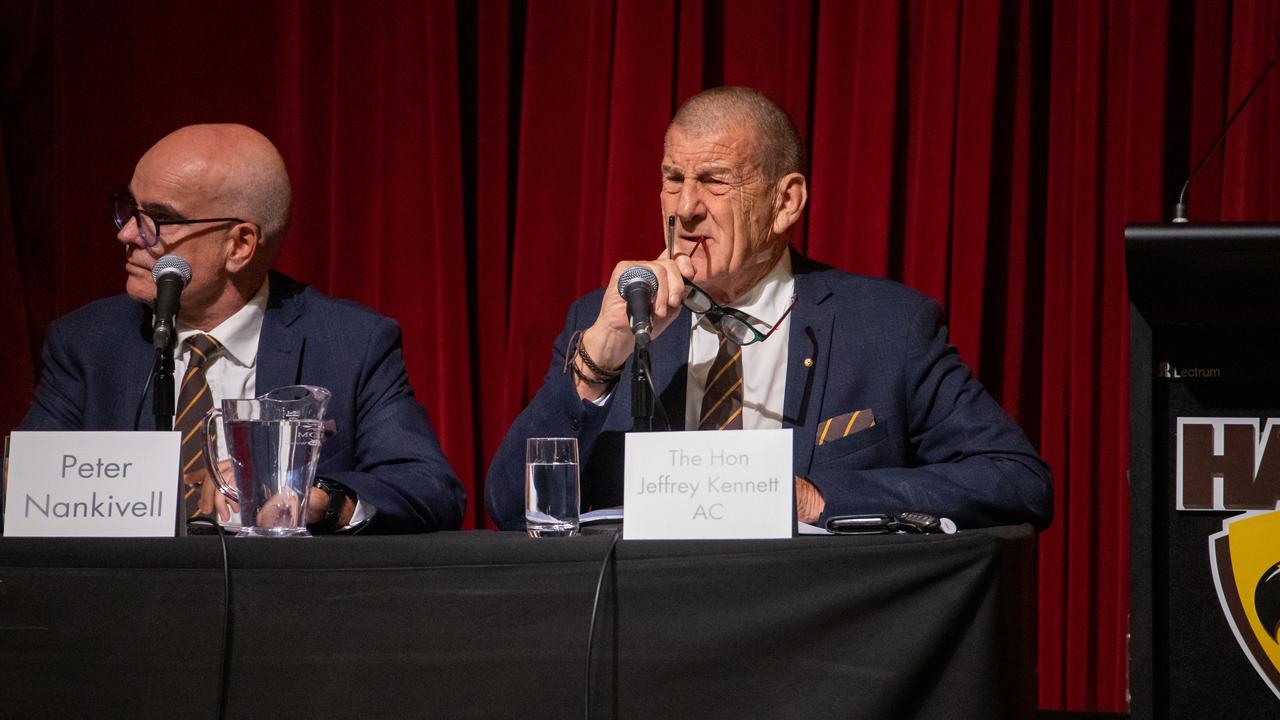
[[1180, 208]]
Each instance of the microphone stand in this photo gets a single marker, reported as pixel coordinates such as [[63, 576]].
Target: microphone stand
[[162, 382], [163, 385], [162, 389], [642, 400]]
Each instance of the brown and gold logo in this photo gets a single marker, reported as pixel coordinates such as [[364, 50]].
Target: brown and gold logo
[[1234, 464], [1245, 559]]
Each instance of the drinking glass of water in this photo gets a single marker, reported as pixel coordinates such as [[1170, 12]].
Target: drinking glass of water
[[551, 487]]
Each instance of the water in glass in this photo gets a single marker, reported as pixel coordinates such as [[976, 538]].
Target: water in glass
[[551, 508]]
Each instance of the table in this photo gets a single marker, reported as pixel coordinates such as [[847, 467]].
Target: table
[[494, 625]]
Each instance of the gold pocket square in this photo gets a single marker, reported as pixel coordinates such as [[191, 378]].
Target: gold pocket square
[[844, 425]]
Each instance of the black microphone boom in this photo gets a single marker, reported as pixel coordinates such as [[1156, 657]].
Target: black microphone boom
[[637, 285], [1180, 208], [171, 274]]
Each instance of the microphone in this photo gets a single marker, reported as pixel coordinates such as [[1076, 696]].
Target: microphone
[[171, 274], [1180, 208], [637, 286]]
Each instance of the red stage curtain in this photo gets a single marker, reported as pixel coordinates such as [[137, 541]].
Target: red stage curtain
[[471, 167]]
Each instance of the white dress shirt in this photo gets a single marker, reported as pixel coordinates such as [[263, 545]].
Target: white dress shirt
[[764, 364], [232, 372]]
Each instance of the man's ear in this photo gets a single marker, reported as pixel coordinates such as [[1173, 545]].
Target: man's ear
[[243, 241], [792, 196]]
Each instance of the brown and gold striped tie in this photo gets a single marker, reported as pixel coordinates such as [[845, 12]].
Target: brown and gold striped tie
[[722, 401], [194, 401]]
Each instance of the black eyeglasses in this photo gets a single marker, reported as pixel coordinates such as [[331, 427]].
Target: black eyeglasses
[[732, 323], [125, 208]]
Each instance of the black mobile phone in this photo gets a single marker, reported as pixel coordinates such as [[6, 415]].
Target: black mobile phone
[[868, 524], [918, 522], [879, 523]]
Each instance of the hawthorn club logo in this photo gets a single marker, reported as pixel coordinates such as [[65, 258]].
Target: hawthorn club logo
[[1234, 464], [1247, 574]]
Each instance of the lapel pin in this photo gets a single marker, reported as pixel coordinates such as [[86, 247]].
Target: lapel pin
[[808, 362]]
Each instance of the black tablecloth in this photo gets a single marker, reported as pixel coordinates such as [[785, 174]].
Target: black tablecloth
[[494, 625]]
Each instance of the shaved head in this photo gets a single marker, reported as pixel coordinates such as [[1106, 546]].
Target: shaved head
[[203, 173], [233, 167]]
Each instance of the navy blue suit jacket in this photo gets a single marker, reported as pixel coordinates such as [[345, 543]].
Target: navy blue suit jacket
[[940, 444], [97, 360]]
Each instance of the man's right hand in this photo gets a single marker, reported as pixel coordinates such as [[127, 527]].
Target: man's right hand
[[212, 502], [609, 341]]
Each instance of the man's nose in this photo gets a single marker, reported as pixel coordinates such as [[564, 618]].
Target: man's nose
[[128, 233], [689, 205]]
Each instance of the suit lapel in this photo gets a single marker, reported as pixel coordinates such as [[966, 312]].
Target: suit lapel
[[280, 346], [808, 357]]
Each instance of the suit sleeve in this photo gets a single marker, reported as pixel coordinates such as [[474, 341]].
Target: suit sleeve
[[967, 459], [400, 467], [555, 411], [59, 398]]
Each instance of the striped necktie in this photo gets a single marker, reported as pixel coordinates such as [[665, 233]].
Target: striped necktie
[[722, 400], [195, 400]]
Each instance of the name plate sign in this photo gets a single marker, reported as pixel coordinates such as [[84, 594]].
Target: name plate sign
[[92, 484], [708, 485]]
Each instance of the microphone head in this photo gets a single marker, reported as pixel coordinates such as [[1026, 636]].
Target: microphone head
[[170, 264], [637, 274]]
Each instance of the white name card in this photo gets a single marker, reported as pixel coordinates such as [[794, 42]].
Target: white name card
[[92, 484], [708, 485]]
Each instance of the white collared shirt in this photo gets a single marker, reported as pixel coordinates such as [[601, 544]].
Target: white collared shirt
[[764, 364], [232, 373]]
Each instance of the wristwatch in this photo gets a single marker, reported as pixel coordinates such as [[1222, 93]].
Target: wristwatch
[[338, 494]]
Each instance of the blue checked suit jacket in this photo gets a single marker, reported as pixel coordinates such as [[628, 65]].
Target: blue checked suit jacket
[[97, 360]]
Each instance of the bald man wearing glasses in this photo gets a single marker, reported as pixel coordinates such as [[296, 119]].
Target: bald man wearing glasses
[[218, 197]]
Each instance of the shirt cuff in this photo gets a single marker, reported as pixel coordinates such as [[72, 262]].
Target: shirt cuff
[[364, 512]]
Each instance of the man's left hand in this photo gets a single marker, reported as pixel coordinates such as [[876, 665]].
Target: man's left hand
[[809, 502], [318, 505]]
